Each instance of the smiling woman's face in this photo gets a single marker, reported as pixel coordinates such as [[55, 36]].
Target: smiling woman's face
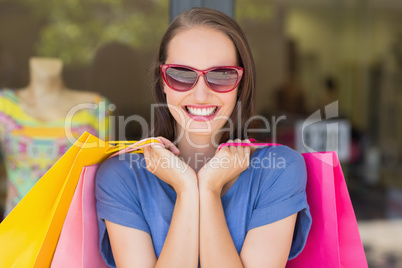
[[201, 110]]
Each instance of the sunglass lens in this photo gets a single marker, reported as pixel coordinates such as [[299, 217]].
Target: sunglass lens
[[180, 78], [222, 79]]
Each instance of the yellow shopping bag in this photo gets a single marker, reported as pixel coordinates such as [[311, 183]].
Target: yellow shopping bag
[[29, 234]]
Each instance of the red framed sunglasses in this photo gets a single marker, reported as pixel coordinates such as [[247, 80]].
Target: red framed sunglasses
[[183, 78]]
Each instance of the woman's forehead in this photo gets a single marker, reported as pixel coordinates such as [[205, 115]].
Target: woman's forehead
[[201, 47]]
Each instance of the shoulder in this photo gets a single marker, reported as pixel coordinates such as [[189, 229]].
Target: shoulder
[[279, 182], [123, 168], [279, 167], [9, 101], [281, 150], [276, 158], [121, 178], [3, 98], [279, 191], [77, 97], [126, 170], [119, 193], [93, 103], [7, 94]]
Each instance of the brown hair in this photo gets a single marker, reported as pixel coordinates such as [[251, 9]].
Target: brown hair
[[165, 123]]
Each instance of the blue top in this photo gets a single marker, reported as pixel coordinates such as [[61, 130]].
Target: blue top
[[270, 189]]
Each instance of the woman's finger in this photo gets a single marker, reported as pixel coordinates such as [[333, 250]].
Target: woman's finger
[[232, 148], [170, 146], [147, 152], [157, 150], [240, 149], [247, 153], [249, 148], [223, 149]]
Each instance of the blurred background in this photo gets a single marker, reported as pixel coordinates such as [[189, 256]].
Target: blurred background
[[309, 55]]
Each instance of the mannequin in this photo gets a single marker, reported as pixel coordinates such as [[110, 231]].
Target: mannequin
[[33, 134], [46, 98]]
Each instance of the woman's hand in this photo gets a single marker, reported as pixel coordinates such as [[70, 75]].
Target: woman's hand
[[164, 163], [225, 166]]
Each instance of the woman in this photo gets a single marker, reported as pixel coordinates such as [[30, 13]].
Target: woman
[[191, 203]]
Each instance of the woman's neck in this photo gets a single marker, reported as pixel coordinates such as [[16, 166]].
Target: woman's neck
[[196, 150]]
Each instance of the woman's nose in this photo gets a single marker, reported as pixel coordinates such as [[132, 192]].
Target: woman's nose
[[201, 91]]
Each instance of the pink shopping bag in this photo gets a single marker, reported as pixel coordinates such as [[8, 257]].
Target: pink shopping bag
[[78, 244], [334, 240]]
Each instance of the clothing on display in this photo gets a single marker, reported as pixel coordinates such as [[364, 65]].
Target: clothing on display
[[30, 146]]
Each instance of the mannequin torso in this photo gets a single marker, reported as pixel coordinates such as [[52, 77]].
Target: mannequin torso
[[46, 98], [52, 108], [34, 132]]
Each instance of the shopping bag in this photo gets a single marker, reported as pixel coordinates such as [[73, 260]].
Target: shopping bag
[[78, 245], [29, 234], [334, 240]]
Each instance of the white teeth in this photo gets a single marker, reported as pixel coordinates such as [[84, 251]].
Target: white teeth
[[201, 111]]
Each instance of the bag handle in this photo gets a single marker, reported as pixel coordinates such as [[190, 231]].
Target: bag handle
[[252, 143], [115, 146], [135, 147]]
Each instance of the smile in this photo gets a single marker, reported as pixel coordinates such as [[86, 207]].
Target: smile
[[201, 113]]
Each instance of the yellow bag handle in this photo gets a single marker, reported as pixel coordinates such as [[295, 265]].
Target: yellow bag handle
[[119, 147]]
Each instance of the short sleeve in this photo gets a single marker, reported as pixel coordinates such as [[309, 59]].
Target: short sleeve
[[281, 195], [117, 202]]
